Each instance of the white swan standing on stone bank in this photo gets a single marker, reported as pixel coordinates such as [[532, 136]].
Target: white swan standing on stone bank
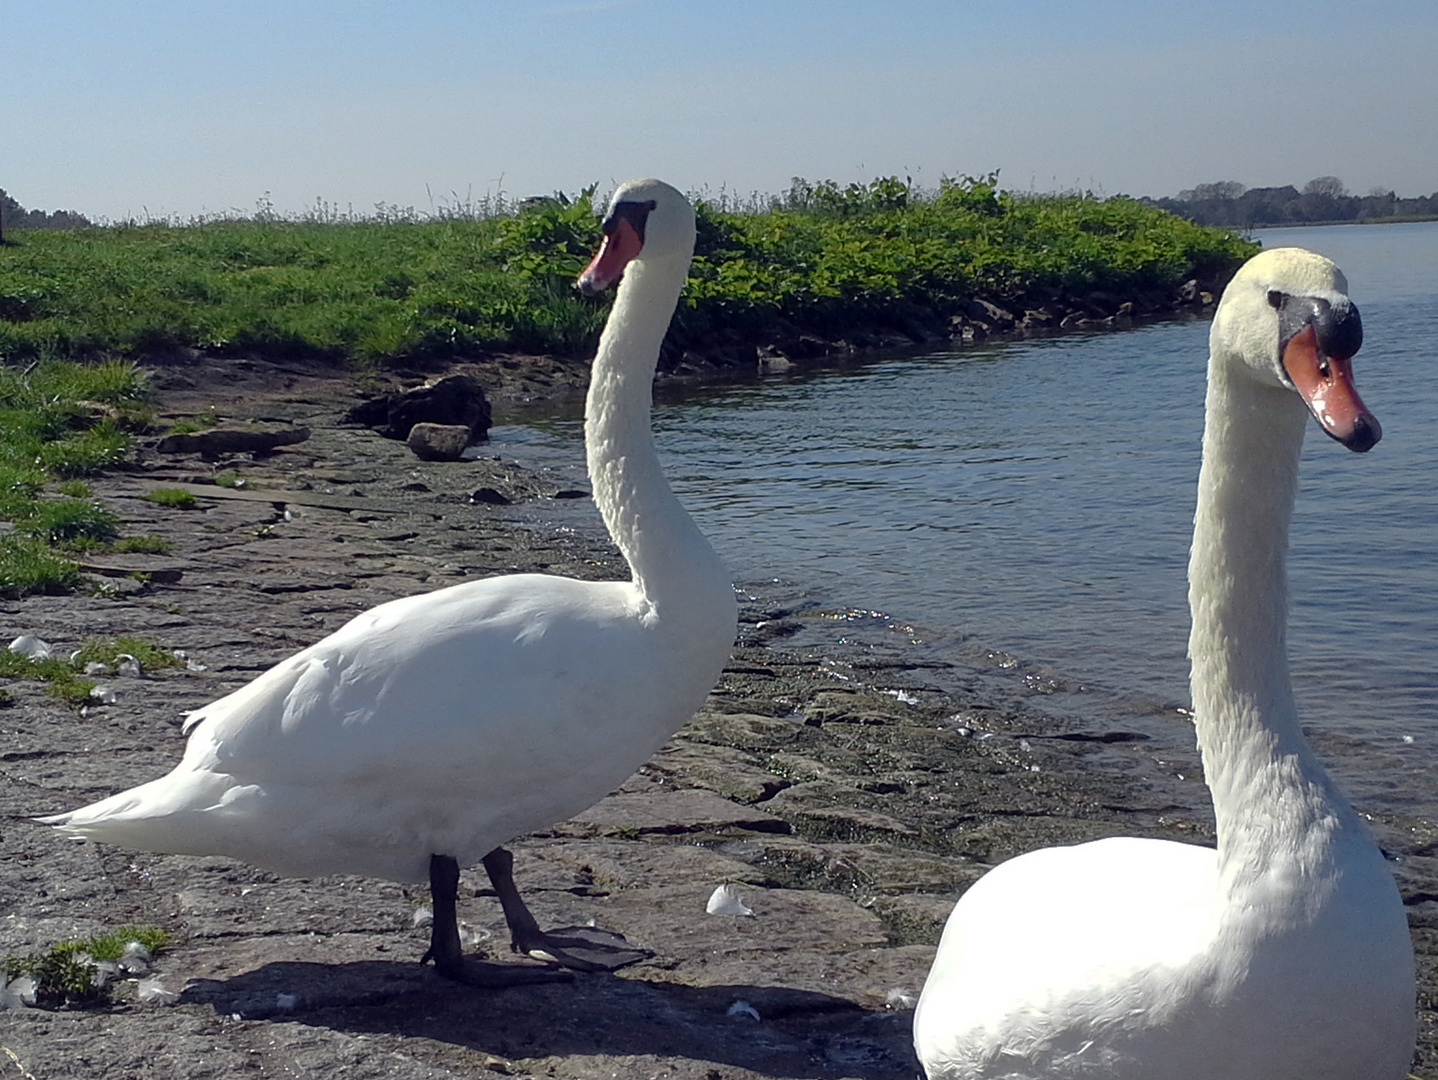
[[428, 731], [1285, 953]]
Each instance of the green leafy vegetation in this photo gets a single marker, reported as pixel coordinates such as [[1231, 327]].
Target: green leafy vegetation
[[383, 291], [69, 972]]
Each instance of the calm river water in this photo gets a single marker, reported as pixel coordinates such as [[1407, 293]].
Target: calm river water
[[1029, 506]]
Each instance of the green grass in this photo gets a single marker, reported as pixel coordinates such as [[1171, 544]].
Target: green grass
[[380, 292], [29, 566], [175, 497], [65, 972], [141, 545], [66, 520], [65, 679], [60, 420], [152, 657]]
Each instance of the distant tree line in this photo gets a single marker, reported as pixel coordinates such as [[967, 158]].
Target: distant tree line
[[15, 216], [1324, 199]]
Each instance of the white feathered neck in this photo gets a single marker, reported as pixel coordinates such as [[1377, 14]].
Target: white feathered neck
[[1278, 814], [668, 555]]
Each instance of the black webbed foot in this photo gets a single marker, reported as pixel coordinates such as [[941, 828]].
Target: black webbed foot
[[579, 948], [444, 948]]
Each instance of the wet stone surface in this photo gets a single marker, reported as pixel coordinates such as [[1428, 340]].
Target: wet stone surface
[[845, 796]]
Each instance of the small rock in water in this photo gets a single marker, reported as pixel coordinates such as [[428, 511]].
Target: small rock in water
[[725, 901], [439, 442]]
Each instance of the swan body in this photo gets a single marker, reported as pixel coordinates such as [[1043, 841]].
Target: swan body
[[1285, 953], [449, 723]]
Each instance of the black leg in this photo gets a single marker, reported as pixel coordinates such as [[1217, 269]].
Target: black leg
[[581, 948], [444, 948]]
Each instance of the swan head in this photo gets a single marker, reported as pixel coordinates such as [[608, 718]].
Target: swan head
[[647, 222], [1286, 320]]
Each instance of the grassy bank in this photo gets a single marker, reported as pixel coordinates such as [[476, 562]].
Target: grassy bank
[[60, 422], [819, 259]]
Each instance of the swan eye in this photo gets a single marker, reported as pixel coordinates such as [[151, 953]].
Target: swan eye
[[1275, 299], [635, 213]]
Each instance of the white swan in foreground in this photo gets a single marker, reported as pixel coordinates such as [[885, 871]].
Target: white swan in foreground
[[428, 731], [1285, 954]]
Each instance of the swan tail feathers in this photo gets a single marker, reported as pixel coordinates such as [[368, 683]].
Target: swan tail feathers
[[162, 816]]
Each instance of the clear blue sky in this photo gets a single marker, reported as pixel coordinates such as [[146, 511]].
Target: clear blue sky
[[175, 107]]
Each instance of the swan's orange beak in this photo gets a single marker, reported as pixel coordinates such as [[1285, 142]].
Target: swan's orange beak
[[621, 244], [1326, 384]]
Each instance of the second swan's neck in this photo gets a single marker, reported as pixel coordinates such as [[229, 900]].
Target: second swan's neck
[[1271, 797], [666, 552]]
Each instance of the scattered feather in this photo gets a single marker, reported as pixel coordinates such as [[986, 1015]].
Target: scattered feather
[[102, 970], [190, 665], [899, 998], [472, 936], [725, 901], [153, 992], [743, 1008], [28, 645], [19, 993], [135, 960]]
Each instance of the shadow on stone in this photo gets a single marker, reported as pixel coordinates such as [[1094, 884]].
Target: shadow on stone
[[798, 1033]]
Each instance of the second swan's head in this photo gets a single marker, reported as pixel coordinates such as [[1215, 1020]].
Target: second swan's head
[[648, 221], [1286, 317]]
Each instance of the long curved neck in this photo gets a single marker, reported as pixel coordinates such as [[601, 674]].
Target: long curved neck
[[666, 552], [1272, 800]]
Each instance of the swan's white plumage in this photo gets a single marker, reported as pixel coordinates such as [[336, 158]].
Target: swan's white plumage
[[1283, 955], [450, 722]]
